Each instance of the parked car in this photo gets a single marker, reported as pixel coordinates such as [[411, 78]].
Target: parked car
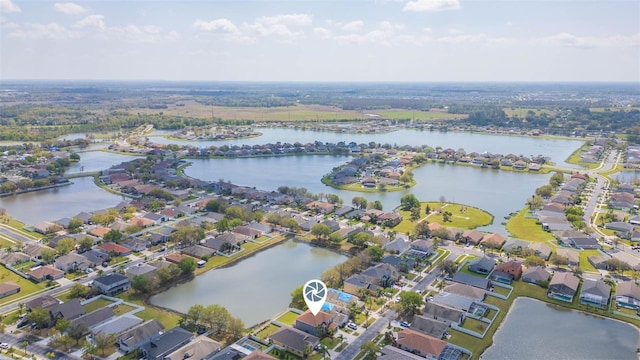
[[4, 346], [352, 326], [405, 324]]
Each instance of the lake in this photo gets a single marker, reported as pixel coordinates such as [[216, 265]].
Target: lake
[[256, 288], [537, 330], [64, 201], [558, 150], [499, 192], [92, 161]]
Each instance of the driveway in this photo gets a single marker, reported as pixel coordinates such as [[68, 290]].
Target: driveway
[[369, 334], [35, 348]]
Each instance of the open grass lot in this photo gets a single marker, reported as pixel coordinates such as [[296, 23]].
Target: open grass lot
[[6, 242], [288, 318], [27, 287], [96, 304], [168, 318], [527, 229], [471, 218], [585, 265]]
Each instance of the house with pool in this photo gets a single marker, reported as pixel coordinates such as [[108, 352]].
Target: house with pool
[[563, 286]]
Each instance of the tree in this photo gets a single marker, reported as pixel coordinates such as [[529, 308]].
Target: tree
[[320, 231], [415, 213], [40, 316], [187, 235], [332, 278], [409, 201], [65, 246], [85, 244], [556, 179], [359, 202], [112, 235], [334, 199], [236, 212], [103, 341], [535, 202], [217, 317], [449, 267], [559, 260], [544, 191], [78, 291], [422, 229], [187, 266], [74, 224], [361, 239], [141, 284], [534, 260], [376, 252], [77, 332], [297, 299], [47, 255], [375, 205], [410, 302], [62, 325], [223, 225], [369, 349], [235, 330], [216, 206]]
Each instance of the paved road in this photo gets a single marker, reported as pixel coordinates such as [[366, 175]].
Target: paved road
[[369, 334], [35, 348], [15, 235], [592, 205]]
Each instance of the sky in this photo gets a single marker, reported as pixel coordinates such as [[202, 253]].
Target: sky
[[334, 40]]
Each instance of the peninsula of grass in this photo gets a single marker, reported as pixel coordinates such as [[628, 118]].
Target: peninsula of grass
[[462, 216], [526, 228], [358, 186], [574, 158]]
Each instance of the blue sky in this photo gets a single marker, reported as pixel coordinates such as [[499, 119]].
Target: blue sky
[[356, 40]]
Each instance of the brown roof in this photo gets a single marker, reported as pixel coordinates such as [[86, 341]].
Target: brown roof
[[510, 267], [176, 258], [8, 287], [308, 318], [99, 231], [42, 272], [411, 339], [259, 355], [565, 278], [495, 239], [118, 249]]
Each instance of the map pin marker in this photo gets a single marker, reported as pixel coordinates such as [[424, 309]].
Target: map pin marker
[[315, 294]]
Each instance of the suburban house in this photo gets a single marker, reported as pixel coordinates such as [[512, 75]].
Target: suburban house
[[139, 335], [472, 237], [9, 288], [595, 293], [389, 219], [41, 301], [572, 255], [293, 340], [164, 343], [471, 292], [111, 284], [483, 265], [71, 262], [402, 264], [397, 246], [443, 313], [420, 344], [471, 280], [429, 326], [199, 348], [117, 325], [41, 273], [493, 240], [393, 353], [563, 286], [542, 250], [535, 275], [628, 295], [507, 272], [113, 248], [423, 245], [317, 325], [143, 269], [321, 207], [93, 318], [69, 310]]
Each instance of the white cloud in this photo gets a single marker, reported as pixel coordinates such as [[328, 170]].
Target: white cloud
[[287, 19], [385, 34], [223, 26], [44, 31], [69, 8], [353, 25], [427, 30], [92, 21], [589, 42], [324, 33], [473, 38], [7, 6], [139, 34], [431, 5]]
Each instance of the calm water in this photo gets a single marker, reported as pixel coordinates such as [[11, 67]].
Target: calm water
[[536, 330], [626, 176], [556, 149], [256, 288], [56, 203], [499, 192], [97, 160]]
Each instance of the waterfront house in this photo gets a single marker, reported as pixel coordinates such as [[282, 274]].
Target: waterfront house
[[469, 291], [111, 284], [389, 219], [94, 318], [139, 335], [318, 325], [535, 275], [443, 313], [542, 250], [429, 326], [472, 237], [483, 265], [164, 343], [198, 348], [293, 340], [493, 241], [595, 293], [628, 295], [142, 269], [507, 272], [8, 288], [472, 280], [515, 246], [420, 344], [199, 251], [563, 286], [397, 246]]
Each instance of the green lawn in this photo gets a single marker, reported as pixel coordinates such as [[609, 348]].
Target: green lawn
[[122, 309], [25, 266], [96, 304], [64, 296], [574, 158], [585, 265], [474, 325], [27, 287], [527, 229], [471, 218], [267, 331], [330, 343], [288, 318], [168, 318]]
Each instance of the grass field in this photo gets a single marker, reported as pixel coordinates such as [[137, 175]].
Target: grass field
[[167, 318], [96, 304], [527, 229], [122, 309], [288, 318], [290, 113], [27, 287], [267, 331], [471, 218], [574, 158], [585, 265]]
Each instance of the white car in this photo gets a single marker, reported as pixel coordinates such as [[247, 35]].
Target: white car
[[352, 326], [4, 346]]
